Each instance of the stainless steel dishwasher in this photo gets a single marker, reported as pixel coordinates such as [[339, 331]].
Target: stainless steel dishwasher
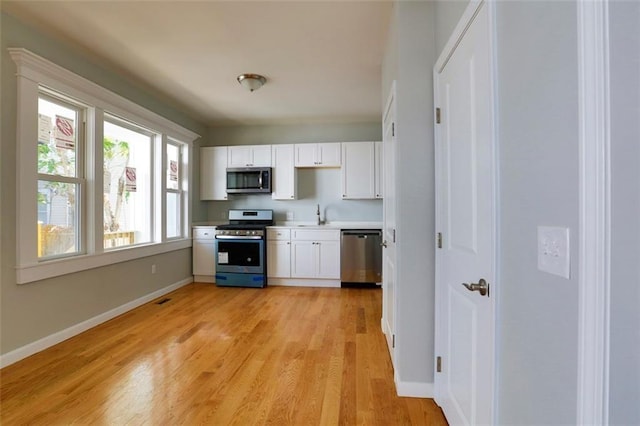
[[361, 256]]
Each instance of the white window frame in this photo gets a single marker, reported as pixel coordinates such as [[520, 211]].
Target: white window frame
[[34, 74], [183, 185], [79, 180], [153, 150]]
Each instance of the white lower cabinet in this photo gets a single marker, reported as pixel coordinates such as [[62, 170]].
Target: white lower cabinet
[[315, 254], [279, 253], [203, 254], [303, 257]]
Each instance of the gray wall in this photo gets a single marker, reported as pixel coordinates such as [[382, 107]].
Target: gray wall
[[315, 186], [411, 52], [35, 310], [625, 213], [448, 14], [538, 144]]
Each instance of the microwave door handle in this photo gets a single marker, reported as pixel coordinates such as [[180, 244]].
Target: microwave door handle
[[260, 180]]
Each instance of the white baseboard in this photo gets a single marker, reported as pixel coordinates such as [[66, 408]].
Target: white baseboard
[[55, 338], [413, 389]]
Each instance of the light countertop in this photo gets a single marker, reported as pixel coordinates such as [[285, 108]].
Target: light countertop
[[329, 225]]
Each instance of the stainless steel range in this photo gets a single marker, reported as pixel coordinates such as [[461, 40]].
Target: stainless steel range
[[241, 249]]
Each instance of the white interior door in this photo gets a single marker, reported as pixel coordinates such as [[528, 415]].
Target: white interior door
[[389, 222], [465, 195]]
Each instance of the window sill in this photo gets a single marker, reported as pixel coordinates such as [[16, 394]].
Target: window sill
[[54, 268]]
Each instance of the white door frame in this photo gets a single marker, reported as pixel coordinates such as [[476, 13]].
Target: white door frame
[[595, 227], [389, 318], [459, 31]]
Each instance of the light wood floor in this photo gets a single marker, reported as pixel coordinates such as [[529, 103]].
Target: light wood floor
[[220, 356]]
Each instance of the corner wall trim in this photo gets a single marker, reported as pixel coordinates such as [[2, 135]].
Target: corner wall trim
[[413, 389], [62, 335], [594, 233]]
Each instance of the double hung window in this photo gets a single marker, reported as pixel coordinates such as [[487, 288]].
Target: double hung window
[[101, 180], [61, 181], [127, 175]]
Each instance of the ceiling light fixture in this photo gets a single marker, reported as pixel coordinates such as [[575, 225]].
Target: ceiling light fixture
[[251, 82]]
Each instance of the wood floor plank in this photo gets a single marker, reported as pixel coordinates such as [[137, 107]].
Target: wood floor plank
[[221, 356]]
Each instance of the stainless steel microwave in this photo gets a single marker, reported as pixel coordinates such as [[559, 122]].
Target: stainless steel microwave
[[248, 180]]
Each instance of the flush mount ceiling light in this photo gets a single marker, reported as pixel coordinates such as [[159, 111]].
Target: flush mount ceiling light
[[251, 82]]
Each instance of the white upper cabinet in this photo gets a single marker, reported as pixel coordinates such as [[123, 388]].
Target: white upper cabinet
[[284, 174], [213, 173], [358, 170], [249, 156], [379, 184], [318, 155]]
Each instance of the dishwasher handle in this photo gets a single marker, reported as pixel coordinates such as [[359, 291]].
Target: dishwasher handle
[[362, 233]]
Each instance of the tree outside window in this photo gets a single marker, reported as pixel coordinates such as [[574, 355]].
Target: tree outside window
[[127, 168]]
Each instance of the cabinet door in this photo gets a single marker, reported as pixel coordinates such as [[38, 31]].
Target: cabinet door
[[279, 259], [329, 155], [378, 170], [204, 257], [261, 156], [240, 156], [358, 174], [284, 173], [303, 259], [305, 155], [328, 259], [213, 173]]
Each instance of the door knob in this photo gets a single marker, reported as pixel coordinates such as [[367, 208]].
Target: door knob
[[384, 244], [481, 286]]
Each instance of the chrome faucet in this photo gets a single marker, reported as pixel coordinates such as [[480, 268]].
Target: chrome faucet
[[320, 222]]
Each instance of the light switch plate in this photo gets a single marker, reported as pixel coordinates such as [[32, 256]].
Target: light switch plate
[[553, 250]]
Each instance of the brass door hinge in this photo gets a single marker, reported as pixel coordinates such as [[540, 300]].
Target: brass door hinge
[[439, 364], [437, 115]]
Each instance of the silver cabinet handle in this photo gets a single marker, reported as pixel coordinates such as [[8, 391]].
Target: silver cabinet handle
[[481, 286]]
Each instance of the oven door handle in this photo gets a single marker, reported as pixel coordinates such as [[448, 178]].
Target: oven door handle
[[235, 237]]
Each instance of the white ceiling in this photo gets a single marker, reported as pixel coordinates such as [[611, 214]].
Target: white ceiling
[[322, 59]]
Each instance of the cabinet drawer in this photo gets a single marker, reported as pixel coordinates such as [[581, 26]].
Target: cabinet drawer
[[204, 233], [316, 234], [278, 234]]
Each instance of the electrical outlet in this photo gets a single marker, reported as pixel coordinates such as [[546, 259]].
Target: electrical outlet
[[223, 215], [153, 268], [553, 251], [289, 216]]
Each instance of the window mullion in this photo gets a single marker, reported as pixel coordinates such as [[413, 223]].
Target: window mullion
[[95, 175], [161, 175]]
